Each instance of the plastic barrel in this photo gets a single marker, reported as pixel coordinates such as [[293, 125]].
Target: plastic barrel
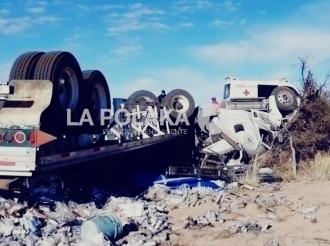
[[108, 223]]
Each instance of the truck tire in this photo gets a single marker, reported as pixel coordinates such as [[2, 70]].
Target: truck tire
[[63, 70], [97, 95], [179, 101], [24, 65], [141, 96], [285, 98]]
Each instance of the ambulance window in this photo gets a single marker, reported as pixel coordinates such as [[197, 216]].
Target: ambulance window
[[226, 92], [239, 128]]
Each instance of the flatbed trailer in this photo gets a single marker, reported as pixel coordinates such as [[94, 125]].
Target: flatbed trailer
[[31, 107], [22, 159]]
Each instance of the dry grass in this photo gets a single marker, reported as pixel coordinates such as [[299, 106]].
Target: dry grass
[[250, 177], [285, 172], [317, 169]]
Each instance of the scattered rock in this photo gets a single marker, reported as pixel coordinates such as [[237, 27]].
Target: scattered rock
[[310, 217], [309, 210], [247, 226], [271, 242], [238, 204]]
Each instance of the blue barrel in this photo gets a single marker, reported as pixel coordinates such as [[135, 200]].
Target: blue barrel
[[108, 223]]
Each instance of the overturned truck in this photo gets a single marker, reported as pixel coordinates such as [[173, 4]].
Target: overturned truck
[[53, 114], [250, 119]]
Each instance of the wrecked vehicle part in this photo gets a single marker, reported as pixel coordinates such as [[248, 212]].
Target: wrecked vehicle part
[[236, 136]]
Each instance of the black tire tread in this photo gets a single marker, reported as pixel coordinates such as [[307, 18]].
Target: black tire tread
[[46, 69], [91, 78], [45, 65], [89, 74], [21, 69]]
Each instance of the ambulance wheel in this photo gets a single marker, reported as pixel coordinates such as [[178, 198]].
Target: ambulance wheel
[[285, 98]]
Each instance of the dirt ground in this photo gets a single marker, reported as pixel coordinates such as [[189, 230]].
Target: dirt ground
[[289, 227]]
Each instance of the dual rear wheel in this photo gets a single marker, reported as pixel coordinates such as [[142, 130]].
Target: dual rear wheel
[[73, 89], [177, 102]]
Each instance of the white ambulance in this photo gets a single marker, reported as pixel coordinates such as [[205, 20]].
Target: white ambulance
[[251, 94]]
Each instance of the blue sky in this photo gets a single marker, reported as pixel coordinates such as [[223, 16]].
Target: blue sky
[[164, 44]]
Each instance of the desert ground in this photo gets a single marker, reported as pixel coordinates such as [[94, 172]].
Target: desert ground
[[288, 227]]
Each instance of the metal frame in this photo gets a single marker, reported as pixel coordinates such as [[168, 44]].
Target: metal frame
[[24, 160]]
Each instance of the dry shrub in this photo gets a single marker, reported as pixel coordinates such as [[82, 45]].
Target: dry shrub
[[309, 128]]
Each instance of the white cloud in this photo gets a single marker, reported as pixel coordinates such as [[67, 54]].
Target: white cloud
[[73, 37], [314, 13], [127, 50], [137, 13], [33, 2], [4, 11], [35, 10], [17, 25], [46, 19], [304, 32], [135, 6], [89, 8], [219, 23], [229, 5], [43, 3], [278, 45], [190, 5], [113, 15], [60, 2], [187, 24], [138, 17]]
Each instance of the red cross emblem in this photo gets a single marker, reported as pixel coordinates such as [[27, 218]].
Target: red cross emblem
[[246, 92]]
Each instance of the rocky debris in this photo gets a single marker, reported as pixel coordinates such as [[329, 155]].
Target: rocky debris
[[210, 218], [144, 218], [238, 204], [268, 201], [247, 226]]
